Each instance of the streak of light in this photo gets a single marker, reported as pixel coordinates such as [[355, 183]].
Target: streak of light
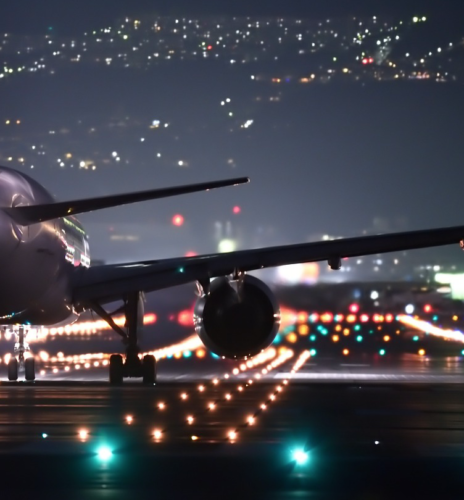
[[426, 327]]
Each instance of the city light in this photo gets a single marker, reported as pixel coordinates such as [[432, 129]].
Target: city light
[[104, 453]]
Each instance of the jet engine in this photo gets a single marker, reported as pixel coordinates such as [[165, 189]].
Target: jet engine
[[237, 318]]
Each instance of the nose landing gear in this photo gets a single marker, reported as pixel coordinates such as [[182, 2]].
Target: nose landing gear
[[20, 360]]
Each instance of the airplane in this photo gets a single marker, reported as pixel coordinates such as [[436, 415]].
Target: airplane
[[46, 277]]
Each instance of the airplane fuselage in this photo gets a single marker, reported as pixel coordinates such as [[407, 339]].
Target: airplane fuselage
[[36, 261]]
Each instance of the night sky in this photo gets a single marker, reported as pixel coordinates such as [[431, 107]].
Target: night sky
[[326, 159]]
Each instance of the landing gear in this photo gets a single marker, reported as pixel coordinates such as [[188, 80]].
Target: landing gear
[[29, 369], [133, 366], [19, 361], [13, 369], [116, 369]]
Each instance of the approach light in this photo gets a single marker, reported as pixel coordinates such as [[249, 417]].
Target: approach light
[[104, 453], [300, 456]]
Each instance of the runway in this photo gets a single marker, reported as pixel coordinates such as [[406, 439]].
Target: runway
[[301, 420], [363, 435]]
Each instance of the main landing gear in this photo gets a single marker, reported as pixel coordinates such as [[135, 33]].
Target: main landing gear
[[133, 366], [20, 360]]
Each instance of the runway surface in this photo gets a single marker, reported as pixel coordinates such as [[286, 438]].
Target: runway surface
[[369, 431]]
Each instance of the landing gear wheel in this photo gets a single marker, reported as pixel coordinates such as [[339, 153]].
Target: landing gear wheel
[[13, 369], [116, 369], [29, 368], [149, 369]]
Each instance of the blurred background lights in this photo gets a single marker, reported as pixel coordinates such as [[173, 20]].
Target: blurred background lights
[[409, 309], [104, 453], [300, 456], [177, 220]]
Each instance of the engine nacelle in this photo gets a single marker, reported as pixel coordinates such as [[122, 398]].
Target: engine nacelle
[[237, 323]]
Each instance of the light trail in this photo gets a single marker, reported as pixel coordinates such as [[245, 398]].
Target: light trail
[[426, 327]]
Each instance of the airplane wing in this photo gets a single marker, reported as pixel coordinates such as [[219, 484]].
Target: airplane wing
[[110, 282], [31, 214]]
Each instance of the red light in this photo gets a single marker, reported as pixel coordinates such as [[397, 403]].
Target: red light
[[389, 318], [371, 60], [365, 60], [427, 308], [354, 308], [185, 318], [191, 254], [178, 220], [210, 47], [236, 209]]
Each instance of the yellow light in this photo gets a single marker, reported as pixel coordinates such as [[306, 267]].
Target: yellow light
[[386, 338], [338, 328], [157, 434], [129, 419], [346, 352], [421, 352], [194, 438], [303, 329], [455, 318], [335, 338], [292, 337], [200, 353], [346, 331], [351, 318], [83, 434]]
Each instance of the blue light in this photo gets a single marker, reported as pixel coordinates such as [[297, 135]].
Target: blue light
[[215, 356], [462, 352], [313, 352], [435, 318], [44, 435], [277, 339], [169, 356], [104, 453], [312, 337], [300, 456], [359, 338], [357, 328], [415, 338], [187, 354], [382, 352]]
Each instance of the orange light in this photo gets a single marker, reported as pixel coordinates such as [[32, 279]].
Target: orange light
[[421, 352], [129, 419], [200, 353], [346, 352], [351, 318], [232, 435], [185, 318], [386, 338], [83, 434], [303, 329], [346, 331], [389, 318], [327, 317], [190, 420], [335, 338], [292, 337], [201, 388], [338, 328], [302, 317], [157, 434], [161, 406], [427, 308], [194, 438], [184, 396]]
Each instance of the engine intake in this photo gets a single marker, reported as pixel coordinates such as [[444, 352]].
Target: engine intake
[[237, 319]]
